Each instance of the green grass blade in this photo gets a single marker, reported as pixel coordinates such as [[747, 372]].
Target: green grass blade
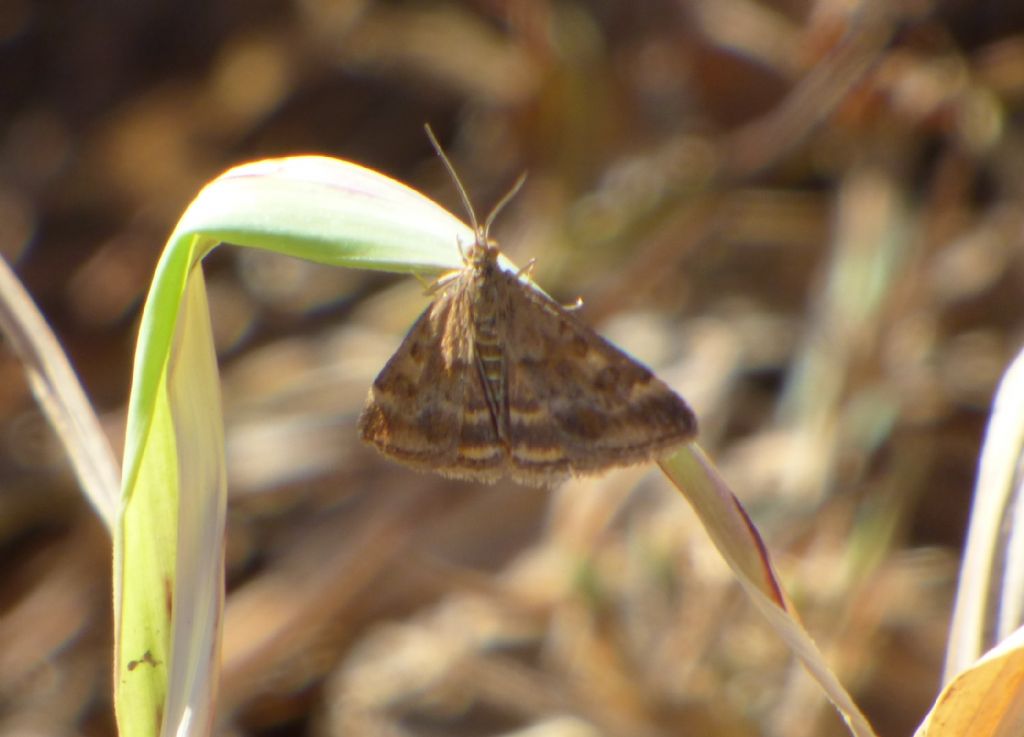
[[328, 211], [168, 547]]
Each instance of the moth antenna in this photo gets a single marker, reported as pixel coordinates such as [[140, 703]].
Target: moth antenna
[[455, 178], [501, 204]]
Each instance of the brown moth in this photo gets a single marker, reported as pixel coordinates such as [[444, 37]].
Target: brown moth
[[496, 379]]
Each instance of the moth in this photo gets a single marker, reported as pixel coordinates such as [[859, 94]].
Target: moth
[[496, 379]]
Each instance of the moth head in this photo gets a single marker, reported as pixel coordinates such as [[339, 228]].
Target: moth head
[[484, 251]]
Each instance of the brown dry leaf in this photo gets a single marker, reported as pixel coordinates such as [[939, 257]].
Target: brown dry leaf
[[986, 700]]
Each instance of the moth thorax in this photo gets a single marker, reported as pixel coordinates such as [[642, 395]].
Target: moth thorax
[[485, 302]]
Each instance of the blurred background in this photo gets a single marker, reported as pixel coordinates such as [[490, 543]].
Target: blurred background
[[805, 214]]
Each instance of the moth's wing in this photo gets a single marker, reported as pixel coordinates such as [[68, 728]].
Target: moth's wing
[[576, 403], [426, 408]]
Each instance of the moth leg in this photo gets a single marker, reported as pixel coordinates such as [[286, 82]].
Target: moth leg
[[574, 306], [440, 282], [528, 269]]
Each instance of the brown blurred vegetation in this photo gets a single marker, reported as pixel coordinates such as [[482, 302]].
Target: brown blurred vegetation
[[806, 215]]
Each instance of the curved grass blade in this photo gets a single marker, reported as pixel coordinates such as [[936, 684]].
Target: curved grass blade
[[60, 395], [739, 542], [168, 543]]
